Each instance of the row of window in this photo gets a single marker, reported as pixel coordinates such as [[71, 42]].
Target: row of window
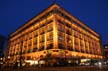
[[29, 50], [35, 33], [62, 26], [25, 45], [72, 21], [70, 48], [76, 44], [34, 40], [60, 46], [77, 41]]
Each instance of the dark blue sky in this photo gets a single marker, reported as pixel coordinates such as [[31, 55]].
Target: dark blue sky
[[94, 13]]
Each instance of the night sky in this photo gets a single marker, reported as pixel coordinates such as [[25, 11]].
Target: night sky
[[14, 13]]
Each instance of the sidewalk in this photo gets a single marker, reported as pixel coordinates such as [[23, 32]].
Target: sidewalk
[[78, 68]]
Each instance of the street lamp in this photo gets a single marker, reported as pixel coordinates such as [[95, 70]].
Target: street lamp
[[1, 58]]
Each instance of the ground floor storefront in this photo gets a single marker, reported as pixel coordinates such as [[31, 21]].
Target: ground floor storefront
[[54, 62]]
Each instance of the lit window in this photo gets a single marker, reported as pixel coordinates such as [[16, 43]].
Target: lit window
[[42, 39], [81, 43], [50, 21], [69, 40], [75, 41], [24, 51], [42, 25], [61, 29], [42, 32], [49, 29], [41, 48], [61, 38], [30, 42], [50, 36], [35, 33], [35, 40]]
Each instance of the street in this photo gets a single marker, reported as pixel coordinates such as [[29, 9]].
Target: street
[[76, 68]]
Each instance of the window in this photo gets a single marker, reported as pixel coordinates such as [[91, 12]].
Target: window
[[81, 36], [30, 35], [35, 40], [36, 28], [42, 31], [81, 43], [41, 48], [25, 44], [60, 27], [50, 36], [25, 37], [50, 29], [68, 18], [42, 39], [68, 38], [70, 48], [59, 12], [68, 25], [61, 46], [30, 42], [50, 21], [34, 49], [35, 33], [82, 50], [76, 41], [61, 38], [42, 25], [86, 44], [50, 46], [24, 51], [76, 49], [60, 21], [85, 38], [29, 50]]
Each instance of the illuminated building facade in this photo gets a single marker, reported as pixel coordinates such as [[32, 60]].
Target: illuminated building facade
[[54, 33]]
